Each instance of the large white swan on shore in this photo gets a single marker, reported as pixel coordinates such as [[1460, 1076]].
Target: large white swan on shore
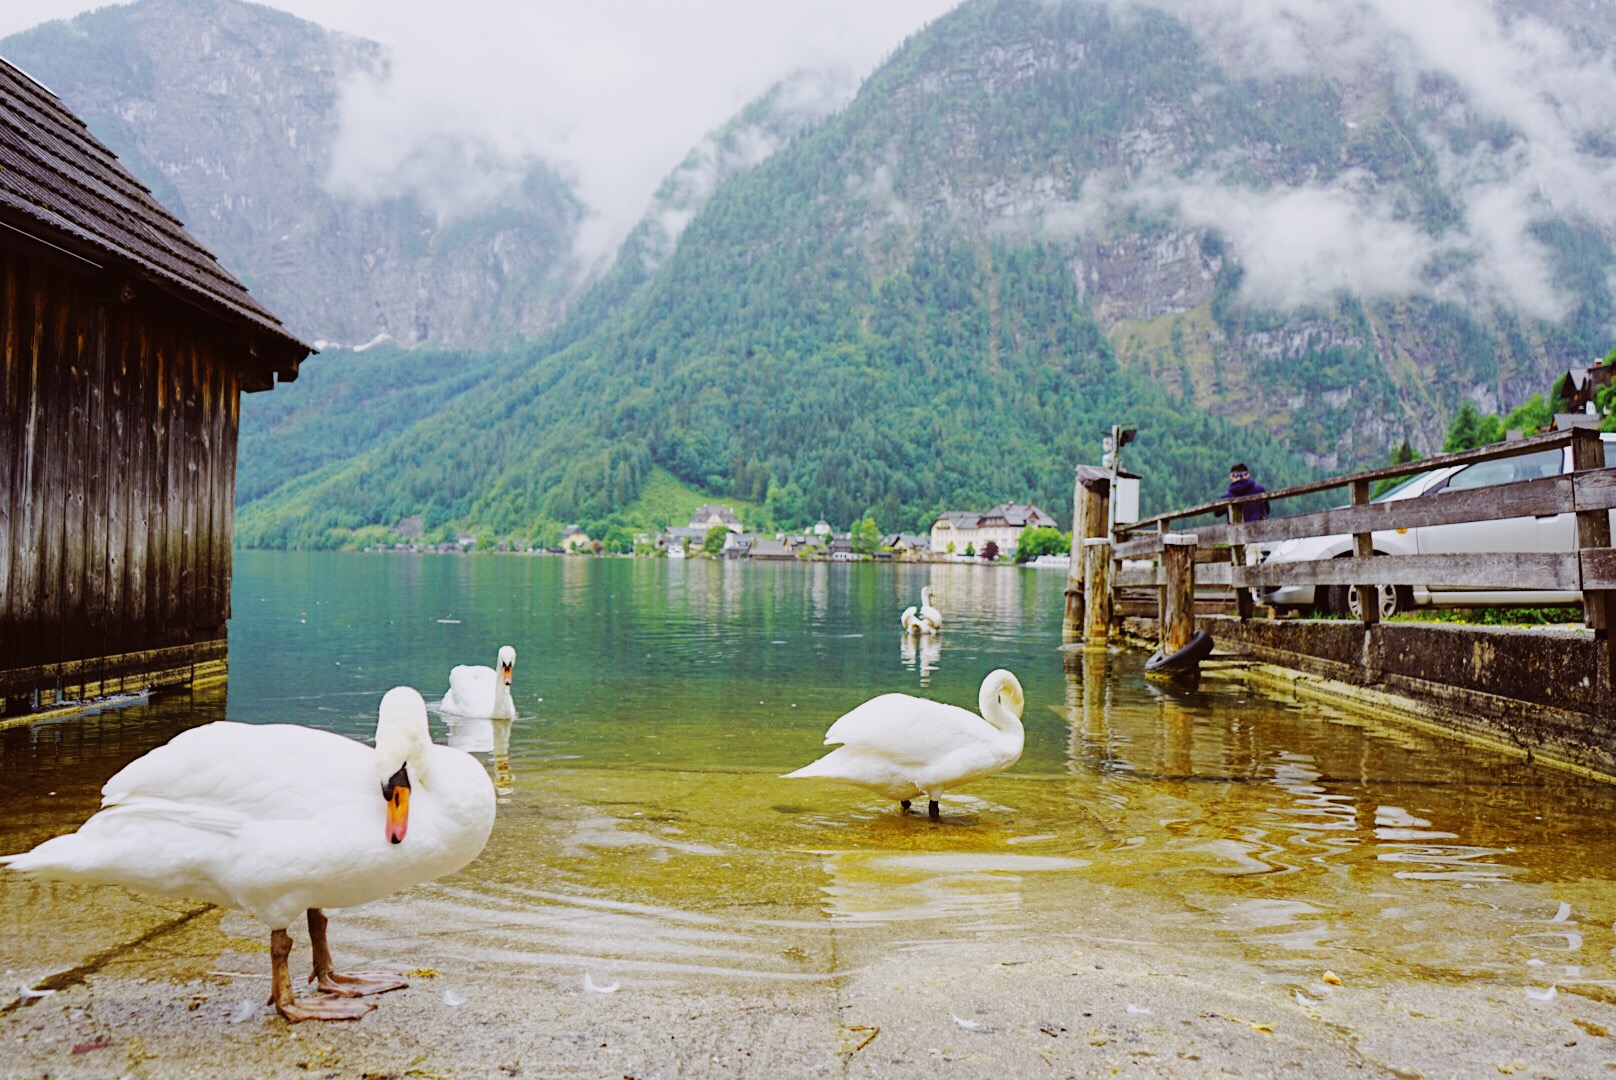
[[278, 820], [482, 692], [901, 746]]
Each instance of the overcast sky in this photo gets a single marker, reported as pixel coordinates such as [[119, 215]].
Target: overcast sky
[[615, 92]]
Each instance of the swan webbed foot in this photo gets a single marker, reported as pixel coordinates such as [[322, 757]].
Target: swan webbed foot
[[933, 811], [346, 985], [296, 1010], [358, 983], [904, 803]]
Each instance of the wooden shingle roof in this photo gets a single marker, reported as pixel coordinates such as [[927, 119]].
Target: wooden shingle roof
[[59, 184]]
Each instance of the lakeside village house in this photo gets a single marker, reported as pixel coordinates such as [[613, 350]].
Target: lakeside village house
[[957, 531], [964, 529]]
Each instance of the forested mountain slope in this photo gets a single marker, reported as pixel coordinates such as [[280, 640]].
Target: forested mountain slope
[[1294, 241]]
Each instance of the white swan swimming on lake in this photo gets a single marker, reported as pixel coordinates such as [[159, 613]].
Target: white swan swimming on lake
[[277, 820], [913, 624], [928, 611], [901, 746], [482, 692]]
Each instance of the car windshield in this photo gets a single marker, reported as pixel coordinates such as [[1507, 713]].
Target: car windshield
[[1384, 495]]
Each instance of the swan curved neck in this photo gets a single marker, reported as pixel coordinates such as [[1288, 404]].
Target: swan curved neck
[[504, 708], [995, 711]]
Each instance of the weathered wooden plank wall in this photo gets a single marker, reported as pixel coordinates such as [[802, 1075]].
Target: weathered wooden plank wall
[[118, 428]]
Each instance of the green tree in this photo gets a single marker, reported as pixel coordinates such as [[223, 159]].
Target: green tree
[[714, 543], [1401, 456], [1041, 540], [1466, 430], [1530, 418], [865, 535]]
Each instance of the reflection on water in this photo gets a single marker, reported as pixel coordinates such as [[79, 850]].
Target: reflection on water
[[644, 834], [481, 735], [921, 653]]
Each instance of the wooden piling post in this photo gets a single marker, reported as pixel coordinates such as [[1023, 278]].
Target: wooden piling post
[[1176, 617], [1096, 592], [1363, 547], [1237, 560], [1593, 531], [1091, 516]]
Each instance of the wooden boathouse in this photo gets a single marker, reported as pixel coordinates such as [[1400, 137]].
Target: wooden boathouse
[[124, 349]]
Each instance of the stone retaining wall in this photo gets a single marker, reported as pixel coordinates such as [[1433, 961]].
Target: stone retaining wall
[[1543, 691]]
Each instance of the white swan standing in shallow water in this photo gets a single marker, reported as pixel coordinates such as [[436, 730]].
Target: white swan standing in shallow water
[[901, 746], [277, 820], [481, 692]]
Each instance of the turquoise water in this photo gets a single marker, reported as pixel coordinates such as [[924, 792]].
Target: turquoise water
[[644, 830], [634, 661]]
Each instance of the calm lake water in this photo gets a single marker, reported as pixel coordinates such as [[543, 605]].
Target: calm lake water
[[644, 831]]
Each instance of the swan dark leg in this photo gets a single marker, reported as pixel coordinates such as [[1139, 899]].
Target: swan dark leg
[[355, 984], [295, 1010], [904, 803], [932, 810]]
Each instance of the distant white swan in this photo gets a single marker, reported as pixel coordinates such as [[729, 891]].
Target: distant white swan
[[481, 692], [913, 624], [928, 611], [278, 820], [901, 746]]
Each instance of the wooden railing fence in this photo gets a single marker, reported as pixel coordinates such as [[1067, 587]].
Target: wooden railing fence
[[1588, 490]]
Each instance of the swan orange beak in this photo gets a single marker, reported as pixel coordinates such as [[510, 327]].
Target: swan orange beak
[[397, 793], [505, 671]]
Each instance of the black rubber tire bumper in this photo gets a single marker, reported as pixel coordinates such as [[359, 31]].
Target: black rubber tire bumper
[[1198, 649]]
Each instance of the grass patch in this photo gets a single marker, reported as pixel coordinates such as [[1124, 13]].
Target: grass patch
[[665, 500]]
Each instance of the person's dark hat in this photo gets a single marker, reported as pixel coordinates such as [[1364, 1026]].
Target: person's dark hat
[[1238, 468]]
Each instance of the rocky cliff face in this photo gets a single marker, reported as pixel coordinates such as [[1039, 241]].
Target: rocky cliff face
[[228, 111], [1336, 225]]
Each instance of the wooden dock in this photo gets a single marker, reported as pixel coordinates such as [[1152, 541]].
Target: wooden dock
[[1547, 692]]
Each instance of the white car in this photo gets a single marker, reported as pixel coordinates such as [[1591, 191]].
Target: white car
[[1556, 532]]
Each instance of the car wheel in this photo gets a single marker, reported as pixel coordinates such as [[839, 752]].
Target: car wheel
[[1393, 599]]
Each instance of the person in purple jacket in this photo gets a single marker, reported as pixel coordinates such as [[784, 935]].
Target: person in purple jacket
[[1241, 483]]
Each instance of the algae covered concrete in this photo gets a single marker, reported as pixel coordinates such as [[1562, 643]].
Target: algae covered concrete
[[1543, 692]]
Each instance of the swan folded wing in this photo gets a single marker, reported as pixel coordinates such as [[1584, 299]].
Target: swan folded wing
[[257, 772], [907, 730], [211, 819], [471, 690]]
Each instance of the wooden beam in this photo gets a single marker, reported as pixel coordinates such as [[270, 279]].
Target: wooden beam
[[1363, 549], [1237, 557], [1091, 512], [1593, 522], [1535, 570], [1096, 591], [1176, 621], [1593, 489], [1385, 472], [1598, 568]]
